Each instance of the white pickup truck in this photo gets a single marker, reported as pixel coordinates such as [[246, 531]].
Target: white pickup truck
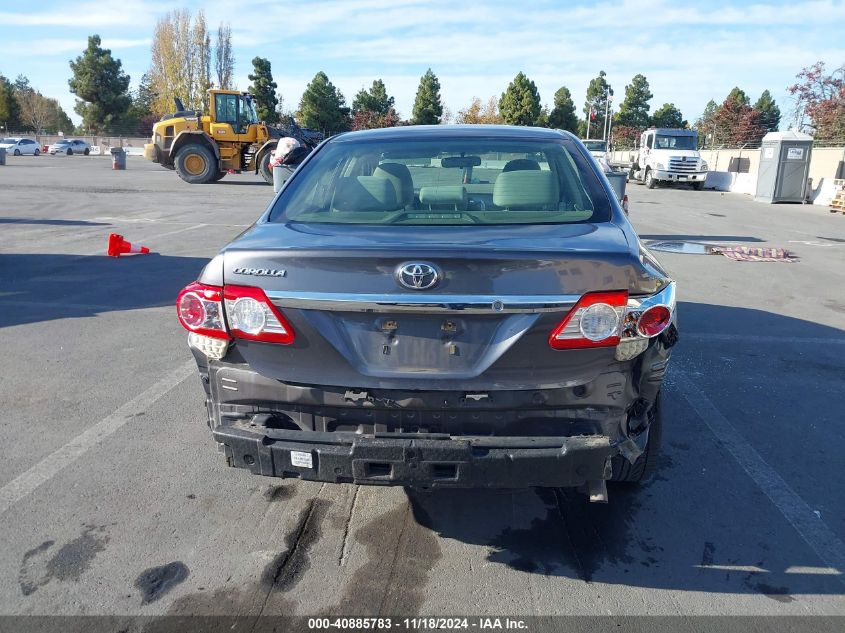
[[669, 155]]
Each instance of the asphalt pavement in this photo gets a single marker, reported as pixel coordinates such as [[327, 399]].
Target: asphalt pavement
[[114, 500]]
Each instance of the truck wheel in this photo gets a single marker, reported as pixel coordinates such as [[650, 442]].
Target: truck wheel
[[264, 168], [196, 164], [649, 181], [644, 466], [698, 186], [219, 176]]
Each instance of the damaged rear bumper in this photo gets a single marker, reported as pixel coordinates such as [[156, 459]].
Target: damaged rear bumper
[[410, 460]]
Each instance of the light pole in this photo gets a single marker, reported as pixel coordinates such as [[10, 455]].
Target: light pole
[[607, 101]]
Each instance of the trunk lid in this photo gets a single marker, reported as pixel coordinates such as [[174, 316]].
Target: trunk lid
[[486, 322]]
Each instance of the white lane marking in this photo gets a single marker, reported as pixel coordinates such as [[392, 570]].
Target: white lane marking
[[51, 465], [753, 338], [815, 532]]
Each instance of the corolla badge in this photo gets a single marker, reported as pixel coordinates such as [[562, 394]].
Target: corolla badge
[[417, 275], [261, 272]]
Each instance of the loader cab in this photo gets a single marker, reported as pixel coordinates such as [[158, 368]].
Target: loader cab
[[232, 113]]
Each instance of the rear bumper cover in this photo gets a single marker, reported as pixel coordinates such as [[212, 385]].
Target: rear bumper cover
[[413, 461]]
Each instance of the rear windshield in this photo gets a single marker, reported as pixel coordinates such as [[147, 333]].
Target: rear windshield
[[444, 181]]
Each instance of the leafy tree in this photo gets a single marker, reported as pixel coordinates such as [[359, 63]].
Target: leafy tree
[[625, 136], [820, 101], [478, 113], [520, 102], [769, 112], [263, 89], [597, 93], [181, 61], [375, 100], [633, 112], [737, 122], [10, 111], [366, 120], [562, 116], [101, 85], [224, 57], [668, 115], [428, 109], [323, 107]]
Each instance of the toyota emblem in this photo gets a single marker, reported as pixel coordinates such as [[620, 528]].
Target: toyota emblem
[[417, 275]]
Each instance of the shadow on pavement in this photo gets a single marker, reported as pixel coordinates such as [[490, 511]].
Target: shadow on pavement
[[701, 524], [38, 287]]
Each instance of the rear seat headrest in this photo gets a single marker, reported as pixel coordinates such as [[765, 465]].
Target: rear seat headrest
[[525, 189], [522, 164], [454, 196], [365, 193]]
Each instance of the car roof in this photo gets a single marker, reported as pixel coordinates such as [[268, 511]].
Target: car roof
[[452, 131]]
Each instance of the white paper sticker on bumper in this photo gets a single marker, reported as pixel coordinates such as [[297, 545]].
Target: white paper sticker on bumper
[[303, 460]]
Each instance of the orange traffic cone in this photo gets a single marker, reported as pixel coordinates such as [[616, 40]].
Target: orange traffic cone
[[119, 246]]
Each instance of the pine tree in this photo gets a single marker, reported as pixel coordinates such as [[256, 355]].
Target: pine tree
[[263, 88], [428, 109], [633, 112], [323, 107], [668, 115], [769, 112], [101, 85], [375, 100], [597, 93], [738, 95], [562, 116], [520, 102]]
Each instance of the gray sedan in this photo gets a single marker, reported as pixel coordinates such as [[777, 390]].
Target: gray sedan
[[461, 306]]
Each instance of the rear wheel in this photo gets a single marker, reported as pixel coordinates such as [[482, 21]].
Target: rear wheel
[[219, 176], [195, 164], [87, 151], [70, 152], [264, 168], [644, 466], [37, 152], [17, 152], [649, 181]]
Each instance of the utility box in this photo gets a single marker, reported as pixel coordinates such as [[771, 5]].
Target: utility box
[[784, 167]]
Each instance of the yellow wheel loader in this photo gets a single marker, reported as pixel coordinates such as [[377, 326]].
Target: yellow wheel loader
[[202, 148]]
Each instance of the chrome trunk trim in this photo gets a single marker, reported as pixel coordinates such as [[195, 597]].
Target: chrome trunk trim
[[466, 304]]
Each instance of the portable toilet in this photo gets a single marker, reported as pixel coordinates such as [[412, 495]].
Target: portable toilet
[[784, 167]]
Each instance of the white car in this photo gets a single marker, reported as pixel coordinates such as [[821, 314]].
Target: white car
[[20, 146], [70, 147]]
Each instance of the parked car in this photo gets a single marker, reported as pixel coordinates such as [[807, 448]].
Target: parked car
[[70, 147], [443, 306], [20, 146]]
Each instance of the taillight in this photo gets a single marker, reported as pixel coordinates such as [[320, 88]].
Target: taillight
[[606, 319], [200, 310], [251, 316], [653, 321], [595, 321]]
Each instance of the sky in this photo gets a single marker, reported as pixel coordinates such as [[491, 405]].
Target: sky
[[689, 52]]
